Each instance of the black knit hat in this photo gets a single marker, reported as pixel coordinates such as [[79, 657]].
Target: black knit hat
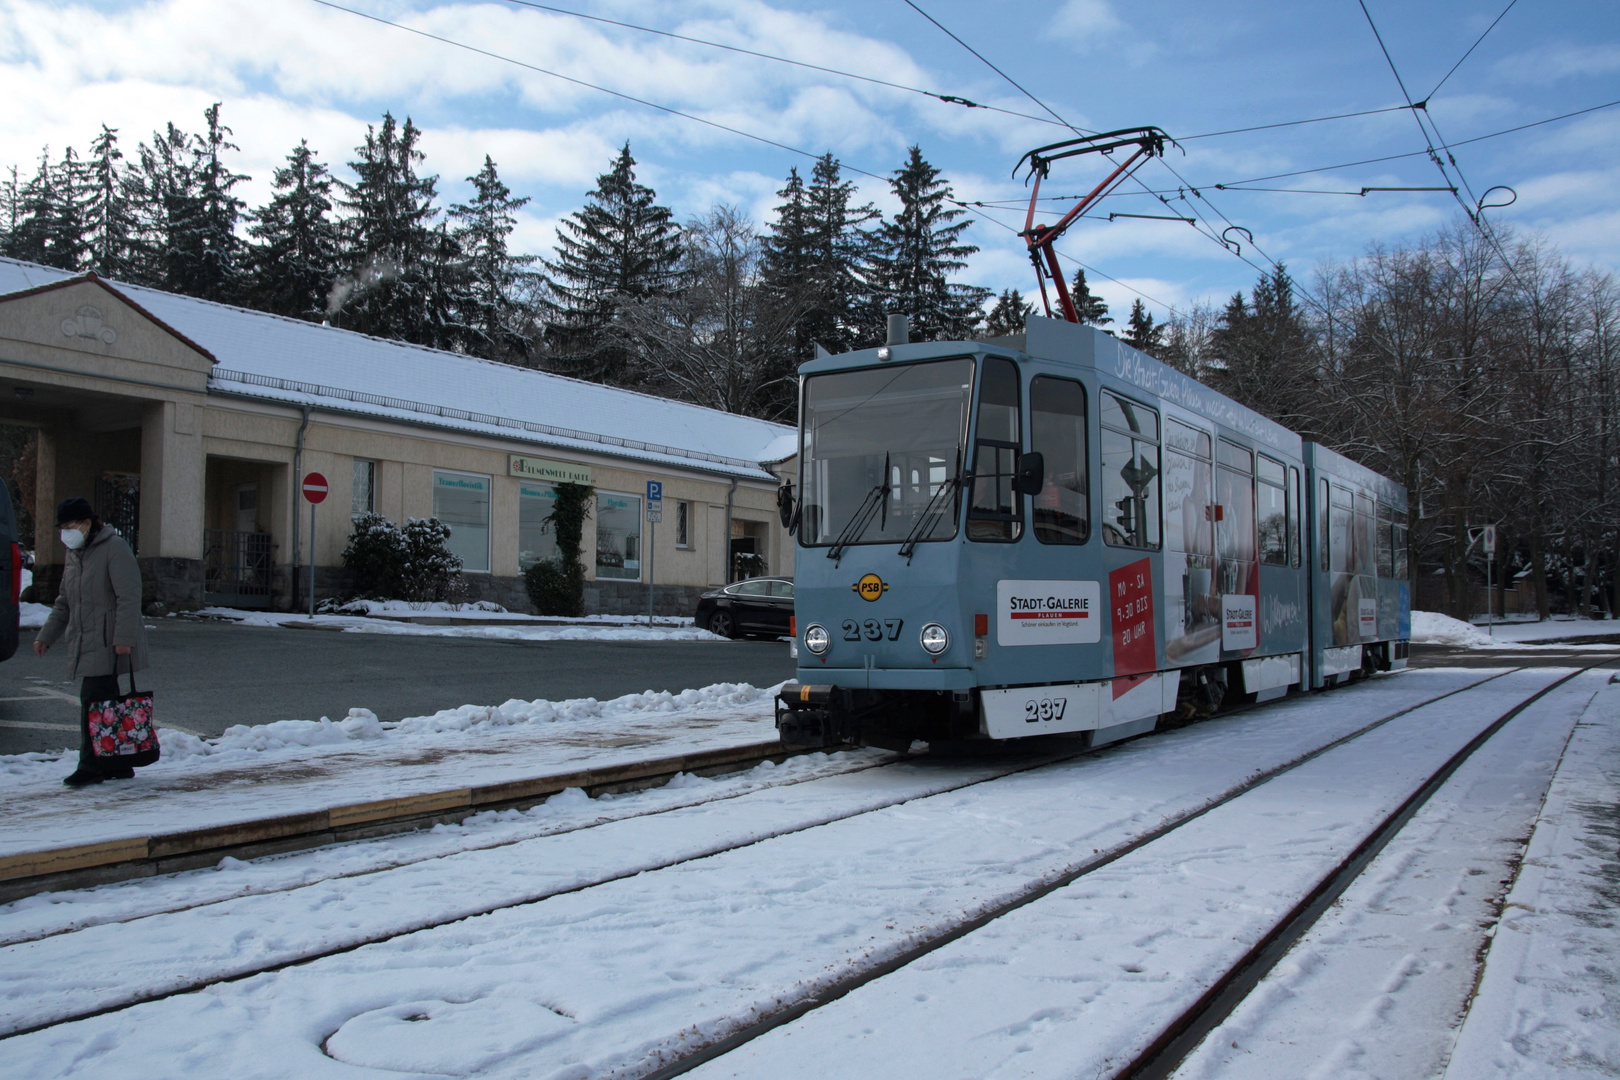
[[74, 509]]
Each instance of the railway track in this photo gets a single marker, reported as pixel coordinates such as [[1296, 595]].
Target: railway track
[[112, 1000]]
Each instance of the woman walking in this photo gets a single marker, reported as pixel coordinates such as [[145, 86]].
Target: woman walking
[[98, 615]]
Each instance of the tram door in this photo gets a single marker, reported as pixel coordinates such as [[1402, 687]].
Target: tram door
[[1192, 630]]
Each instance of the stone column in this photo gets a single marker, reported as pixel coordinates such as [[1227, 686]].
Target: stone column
[[172, 497], [48, 551]]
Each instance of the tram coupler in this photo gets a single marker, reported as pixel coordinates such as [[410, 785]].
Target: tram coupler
[[813, 717]]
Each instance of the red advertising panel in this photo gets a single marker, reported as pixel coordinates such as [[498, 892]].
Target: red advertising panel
[[1130, 599]]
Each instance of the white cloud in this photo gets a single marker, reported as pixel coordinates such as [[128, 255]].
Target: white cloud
[[1082, 21]]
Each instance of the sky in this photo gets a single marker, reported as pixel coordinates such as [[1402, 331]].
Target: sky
[[291, 69]]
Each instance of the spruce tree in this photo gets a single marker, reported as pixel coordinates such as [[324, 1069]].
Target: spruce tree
[[1091, 308], [166, 192], [491, 311], [1009, 315], [111, 221], [1266, 348], [619, 248], [10, 208], [209, 263], [918, 250], [815, 259], [389, 239], [294, 260], [1140, 331], [37, 235]]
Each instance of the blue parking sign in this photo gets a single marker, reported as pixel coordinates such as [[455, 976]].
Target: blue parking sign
[[655, 491]]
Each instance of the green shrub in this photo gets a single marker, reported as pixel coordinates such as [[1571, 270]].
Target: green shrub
[[410, 563], [557, 586]]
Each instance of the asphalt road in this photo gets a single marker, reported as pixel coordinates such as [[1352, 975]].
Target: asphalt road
[[210, 675]]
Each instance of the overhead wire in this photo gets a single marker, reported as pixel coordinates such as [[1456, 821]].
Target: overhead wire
[[1470, 51]]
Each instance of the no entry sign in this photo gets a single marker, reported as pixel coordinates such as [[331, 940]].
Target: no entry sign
[[315, 487]]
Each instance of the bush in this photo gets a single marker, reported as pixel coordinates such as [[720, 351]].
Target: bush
[[750, 564], [413, 563], [557, 586]]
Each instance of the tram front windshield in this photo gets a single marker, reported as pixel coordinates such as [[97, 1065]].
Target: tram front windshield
[[910, 419]]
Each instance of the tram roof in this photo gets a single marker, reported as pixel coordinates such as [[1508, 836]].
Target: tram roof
[[1323, 459]]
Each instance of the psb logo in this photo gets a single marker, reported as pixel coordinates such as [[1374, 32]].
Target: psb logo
[[870, 587]]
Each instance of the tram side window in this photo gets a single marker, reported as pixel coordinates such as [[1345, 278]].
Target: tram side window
[[1293, 516], [1130, 469], [1273, 513], [1366, 548], [1386, 540], [1057, 431], [1189, 516], [993, 513], [1341, 530], [1400, 545], [1324, 531]]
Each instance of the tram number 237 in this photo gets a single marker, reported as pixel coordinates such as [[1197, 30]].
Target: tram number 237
[[871, 630], [1036, 710]]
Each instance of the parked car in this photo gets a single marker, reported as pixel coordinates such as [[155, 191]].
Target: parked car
[[762, 605], [11, 568]]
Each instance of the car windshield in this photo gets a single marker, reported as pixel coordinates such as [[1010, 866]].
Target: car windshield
[[908, 418]]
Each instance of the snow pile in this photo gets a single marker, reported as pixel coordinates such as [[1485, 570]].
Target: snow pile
[[34, 615], [415, 607], [363, 726], [1432, 628], [531, 628]]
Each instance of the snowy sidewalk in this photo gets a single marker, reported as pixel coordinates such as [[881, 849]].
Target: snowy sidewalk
[[361, 768], [1549, 1001], [441, 621]]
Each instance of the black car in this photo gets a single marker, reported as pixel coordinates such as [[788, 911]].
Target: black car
[[762, 605]]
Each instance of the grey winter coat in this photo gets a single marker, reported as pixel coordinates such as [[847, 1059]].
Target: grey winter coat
[[98, 608]]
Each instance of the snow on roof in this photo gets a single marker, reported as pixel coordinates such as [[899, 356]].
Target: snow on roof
[[288, 360], [781, 448]]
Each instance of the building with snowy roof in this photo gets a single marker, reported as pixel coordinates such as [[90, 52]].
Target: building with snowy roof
[[190, 424]]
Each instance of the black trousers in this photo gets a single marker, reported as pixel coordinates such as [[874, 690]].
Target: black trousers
[[93, 688]]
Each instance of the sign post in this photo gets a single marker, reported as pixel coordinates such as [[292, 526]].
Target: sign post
[[655, 514], [1489, 541], [314, 488]]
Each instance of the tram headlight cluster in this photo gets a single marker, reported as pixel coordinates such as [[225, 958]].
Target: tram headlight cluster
[[816, 638], [935, 639]]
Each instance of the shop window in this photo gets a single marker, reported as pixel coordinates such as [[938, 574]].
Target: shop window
[[993, 513], [364, 499], [1272, 512], [1057, 431], [1130, 468], [537, 540], [683, 524], [461, 501], [618, 536]]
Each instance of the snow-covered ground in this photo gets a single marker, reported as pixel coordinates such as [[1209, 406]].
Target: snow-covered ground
[[614, 977], [475, 625], [297, 766], [1432, 628]]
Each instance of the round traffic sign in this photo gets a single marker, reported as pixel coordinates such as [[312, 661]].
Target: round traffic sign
[[315, 487]]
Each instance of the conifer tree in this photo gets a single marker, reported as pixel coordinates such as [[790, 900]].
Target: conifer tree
[[165, 192], [388, 239], [111, 221], [1141, 332], [620, 247], [294, 261], [205, 251], [918, 250], [10, 208], [1266, 348], [1008, 315], [1093, 311], [492, 287], [815, 258], [41, 205]]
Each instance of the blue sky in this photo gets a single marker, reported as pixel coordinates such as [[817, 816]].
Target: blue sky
[[287, 69]]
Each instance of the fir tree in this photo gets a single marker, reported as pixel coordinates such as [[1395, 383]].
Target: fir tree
[[166, 193], [620, 247], [1009, 315], [1141, 332], [10, 209], [36, 236], [389, 239], [1266, 349], [1091, 308], [918, 250], [295, 258], [209, 253], [491, 307], [111, 221]]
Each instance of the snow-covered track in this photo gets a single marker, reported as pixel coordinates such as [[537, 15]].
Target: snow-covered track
[[33, 1013]]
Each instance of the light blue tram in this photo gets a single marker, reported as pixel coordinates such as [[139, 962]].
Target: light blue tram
[[1056, 533]]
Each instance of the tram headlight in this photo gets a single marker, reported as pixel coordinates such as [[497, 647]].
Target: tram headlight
[[935, 639], [816, 638]]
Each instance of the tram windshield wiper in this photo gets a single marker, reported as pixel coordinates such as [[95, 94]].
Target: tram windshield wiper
[[876, 500], [930, 515]]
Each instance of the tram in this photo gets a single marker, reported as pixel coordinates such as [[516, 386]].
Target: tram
[[1056, 533]]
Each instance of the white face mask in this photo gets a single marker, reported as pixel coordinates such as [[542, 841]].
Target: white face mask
[[72, 539]]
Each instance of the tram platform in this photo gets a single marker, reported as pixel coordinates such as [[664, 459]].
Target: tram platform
[[357, 778]]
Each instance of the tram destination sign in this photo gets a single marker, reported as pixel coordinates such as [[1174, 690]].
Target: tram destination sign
[[557, 472], [1048, 612]]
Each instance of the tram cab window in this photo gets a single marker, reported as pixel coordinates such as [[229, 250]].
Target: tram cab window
[[1341, 532], [993, 512], [1057, 431], [1366, 548], [1386, 540], [1130, 471], [1293, 516], [1272, 512], [1400, 545]]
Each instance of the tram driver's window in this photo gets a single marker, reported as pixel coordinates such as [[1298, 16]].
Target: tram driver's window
[[993, 512], [1130, 473], [1057, 431]]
